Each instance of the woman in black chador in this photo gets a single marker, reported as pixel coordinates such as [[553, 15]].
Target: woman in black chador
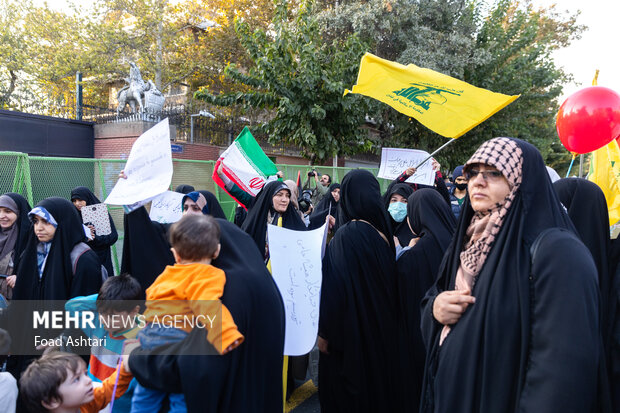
[[512, 323], [82, 196], [395, 202], [358, 325], [46, 270], [587, 208], [247, 379], [431, 218], [14, 232]]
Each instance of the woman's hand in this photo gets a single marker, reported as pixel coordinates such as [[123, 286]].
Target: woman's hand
[[322, 344], [410, 171], [92, 231], [414, 241], [331, 221], [10, 280], [121, 175], [449, 306]]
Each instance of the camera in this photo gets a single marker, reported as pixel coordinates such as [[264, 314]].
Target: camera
[[304, 200], [312, 173]]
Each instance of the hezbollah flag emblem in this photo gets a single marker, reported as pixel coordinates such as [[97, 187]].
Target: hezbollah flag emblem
[[445, 105]]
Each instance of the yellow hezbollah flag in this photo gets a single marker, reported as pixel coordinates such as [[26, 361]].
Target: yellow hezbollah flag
[[605, 172], [445, 105]]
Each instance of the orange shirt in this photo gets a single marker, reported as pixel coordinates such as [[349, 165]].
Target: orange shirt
[[196, 289], [103, 393]]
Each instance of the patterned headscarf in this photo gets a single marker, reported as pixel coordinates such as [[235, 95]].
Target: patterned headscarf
[[507, 157], [43, 213]]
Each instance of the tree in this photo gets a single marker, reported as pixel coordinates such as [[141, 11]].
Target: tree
[[505, 47], [169, 41], [301, 79]]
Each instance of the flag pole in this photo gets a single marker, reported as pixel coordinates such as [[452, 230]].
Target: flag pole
[[437, 150]]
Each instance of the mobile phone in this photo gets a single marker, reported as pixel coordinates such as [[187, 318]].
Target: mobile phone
[[3, 275]]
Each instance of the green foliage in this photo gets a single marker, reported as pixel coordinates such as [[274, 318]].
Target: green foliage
[[505, 47], [301, 79]]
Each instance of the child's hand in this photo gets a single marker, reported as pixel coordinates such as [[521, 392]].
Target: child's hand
[[232, 346], [129, 346]]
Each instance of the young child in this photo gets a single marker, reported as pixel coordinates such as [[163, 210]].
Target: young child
[[116, 306], [196, 286], [57, 382]]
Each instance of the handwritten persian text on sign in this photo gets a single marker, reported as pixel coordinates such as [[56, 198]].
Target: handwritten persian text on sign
[[394, 162], [296, 268], [166, 207]]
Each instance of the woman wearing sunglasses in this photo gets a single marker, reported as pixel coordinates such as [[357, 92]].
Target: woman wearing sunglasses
[[512, 322]]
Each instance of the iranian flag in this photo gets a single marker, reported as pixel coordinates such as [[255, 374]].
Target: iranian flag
[[245, 163]]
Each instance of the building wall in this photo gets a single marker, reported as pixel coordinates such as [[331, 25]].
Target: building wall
[[45, 135]]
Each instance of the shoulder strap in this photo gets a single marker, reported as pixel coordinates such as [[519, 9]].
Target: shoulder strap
[[77, 251]]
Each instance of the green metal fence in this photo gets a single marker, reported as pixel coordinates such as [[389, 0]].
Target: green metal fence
[[37, 178]]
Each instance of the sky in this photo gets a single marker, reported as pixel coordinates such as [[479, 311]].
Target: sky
[[597, 49]]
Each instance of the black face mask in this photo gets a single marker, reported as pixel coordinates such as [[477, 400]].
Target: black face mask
[[461, 187]]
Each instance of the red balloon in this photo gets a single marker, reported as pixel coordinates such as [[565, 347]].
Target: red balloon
[[589, 119]]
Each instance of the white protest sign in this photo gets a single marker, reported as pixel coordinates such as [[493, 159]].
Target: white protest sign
[[148, 168], [166, 207], [296, 269], [394, 161]]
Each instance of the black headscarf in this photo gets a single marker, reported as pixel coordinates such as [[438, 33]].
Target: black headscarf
[[184, 189], [359, 306], [101, 243], [401, 229], [432, 219], [322, 209], [359, 200], [85, 194], [256, 222], [58, 281], [21, 226], [249, 378], [531, 340]]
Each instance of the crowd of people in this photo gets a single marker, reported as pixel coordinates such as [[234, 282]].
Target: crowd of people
[[500, 293]]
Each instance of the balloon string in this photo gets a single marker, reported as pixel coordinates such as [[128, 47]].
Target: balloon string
[[118, 373], [570, 166]]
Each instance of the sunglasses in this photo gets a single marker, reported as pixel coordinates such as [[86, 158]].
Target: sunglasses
[[486, 175]]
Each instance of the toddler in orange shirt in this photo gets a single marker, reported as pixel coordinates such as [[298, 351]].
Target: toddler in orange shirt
[[184, 293]]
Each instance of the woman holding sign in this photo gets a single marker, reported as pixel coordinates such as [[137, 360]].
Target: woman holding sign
[[512, 322], [358, 327], [81, 197]]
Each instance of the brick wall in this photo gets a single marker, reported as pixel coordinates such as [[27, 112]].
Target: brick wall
[[290, 160]]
